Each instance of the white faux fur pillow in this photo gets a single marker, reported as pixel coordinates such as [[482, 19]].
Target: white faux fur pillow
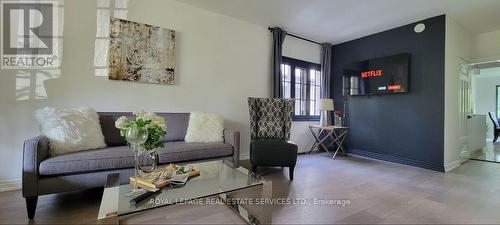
[[205, 127], [70, 130]]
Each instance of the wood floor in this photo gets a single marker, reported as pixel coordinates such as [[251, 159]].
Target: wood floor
[[379, 192]]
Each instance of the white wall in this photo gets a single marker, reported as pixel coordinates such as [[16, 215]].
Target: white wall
[[220, 61], [487, 46], [310, 52], [459, 43], [484, 94]]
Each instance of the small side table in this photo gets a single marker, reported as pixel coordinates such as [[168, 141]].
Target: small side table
[[337, 136]]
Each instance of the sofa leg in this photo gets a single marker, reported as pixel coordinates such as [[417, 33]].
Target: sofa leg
[[496, 137], [290, 171], [254, 169], [31, 206]]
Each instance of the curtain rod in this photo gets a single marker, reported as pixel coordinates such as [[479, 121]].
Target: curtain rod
[[295, 36]]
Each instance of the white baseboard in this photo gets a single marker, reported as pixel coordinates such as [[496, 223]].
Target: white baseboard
[[448, 167], [244, 156], [10, 185]]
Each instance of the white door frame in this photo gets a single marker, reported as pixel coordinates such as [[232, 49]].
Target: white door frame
[[465, 108]]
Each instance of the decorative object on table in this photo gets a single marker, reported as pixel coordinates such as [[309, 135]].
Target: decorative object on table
[[270, 124], [337, 121], [171, 175], [325, 105], [141, 52], [205, 127], [336, 135], [146, 195], [70, 130], [143, 135]]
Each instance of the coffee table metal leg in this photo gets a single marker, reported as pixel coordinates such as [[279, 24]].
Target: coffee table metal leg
[[267, 193], [109, 220], [109, 204], [250, 204]]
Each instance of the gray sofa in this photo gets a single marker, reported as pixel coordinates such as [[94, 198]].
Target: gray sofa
[[44, 175]]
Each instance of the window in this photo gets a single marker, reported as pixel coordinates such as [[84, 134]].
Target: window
[[301, 81], [497, 103]]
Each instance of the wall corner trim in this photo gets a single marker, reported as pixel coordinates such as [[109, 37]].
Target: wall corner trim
[[450, 166]]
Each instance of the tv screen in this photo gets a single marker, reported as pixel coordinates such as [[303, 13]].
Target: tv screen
[[384, 75]]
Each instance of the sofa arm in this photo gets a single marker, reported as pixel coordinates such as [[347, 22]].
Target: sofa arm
[[233, 138], [35, 150]]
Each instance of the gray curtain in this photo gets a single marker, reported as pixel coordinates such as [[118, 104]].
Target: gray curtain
[[326, 69], [278, 39]]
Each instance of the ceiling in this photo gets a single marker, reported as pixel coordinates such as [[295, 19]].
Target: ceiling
[[337, 21]]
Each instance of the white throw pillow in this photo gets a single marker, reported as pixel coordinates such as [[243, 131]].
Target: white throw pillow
[[205, 127], [70, 130]]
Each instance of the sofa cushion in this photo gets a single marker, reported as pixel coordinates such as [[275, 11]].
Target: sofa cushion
[[111, 133], [120, 157], [177, 124], [70, 130], [205, 127], [181, 151]]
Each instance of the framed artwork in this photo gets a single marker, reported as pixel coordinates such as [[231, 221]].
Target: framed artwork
[[141, 53]]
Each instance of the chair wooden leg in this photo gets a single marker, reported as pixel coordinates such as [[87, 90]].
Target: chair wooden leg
[[31, 206], [290, 171]]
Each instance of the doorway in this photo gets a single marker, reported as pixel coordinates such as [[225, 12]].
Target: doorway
[[483, 123]]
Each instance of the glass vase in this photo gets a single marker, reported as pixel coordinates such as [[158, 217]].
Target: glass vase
[[136, 137], [147, 163], [337, 121]]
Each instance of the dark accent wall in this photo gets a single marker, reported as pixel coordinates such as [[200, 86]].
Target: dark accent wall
[[405, 128]]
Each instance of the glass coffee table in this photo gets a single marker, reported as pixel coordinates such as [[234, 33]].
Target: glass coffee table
[[241, 190]]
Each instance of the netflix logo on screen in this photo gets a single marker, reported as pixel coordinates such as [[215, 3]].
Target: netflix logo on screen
[[371, 73], [393, 87]]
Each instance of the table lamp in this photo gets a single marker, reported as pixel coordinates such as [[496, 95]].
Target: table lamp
[[325, 105]]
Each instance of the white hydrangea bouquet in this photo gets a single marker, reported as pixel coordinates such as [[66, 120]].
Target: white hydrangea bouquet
[[154, 126]]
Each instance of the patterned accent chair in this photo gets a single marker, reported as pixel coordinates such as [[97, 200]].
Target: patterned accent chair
[[270, 124]]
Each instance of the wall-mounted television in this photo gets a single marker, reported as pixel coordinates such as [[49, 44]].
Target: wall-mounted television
[[385, 75]]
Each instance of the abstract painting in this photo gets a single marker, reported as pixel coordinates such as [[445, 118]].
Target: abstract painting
[[141, 52]]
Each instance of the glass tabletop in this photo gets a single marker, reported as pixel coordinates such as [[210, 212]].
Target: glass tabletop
[[215, 178]]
